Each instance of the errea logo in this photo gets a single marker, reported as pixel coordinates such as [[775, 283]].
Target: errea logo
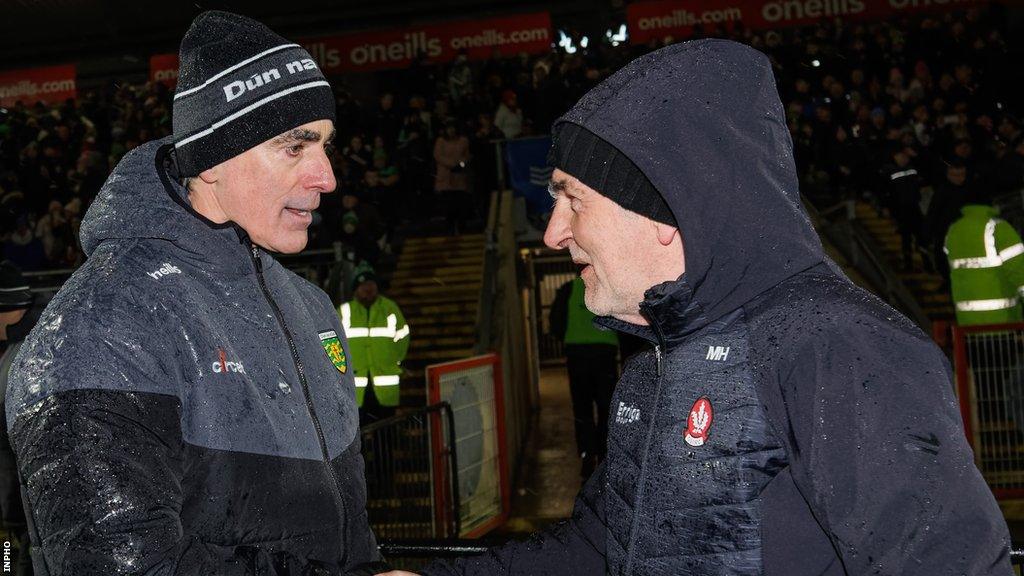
[[627, 414], [164, 271], [222, 365]]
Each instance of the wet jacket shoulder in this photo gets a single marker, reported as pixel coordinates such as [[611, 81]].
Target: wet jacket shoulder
[[175, 410], [863, 403]]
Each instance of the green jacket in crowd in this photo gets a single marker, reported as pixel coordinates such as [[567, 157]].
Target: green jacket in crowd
[[378, 339], [986, 267], [572, 322]]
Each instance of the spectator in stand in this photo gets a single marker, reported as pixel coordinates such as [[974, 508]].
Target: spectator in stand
[[451, 184], [460, 79], [359, 156], [900, 188], [388, 121], [414, 161], [509, 118], [485, 167], [949, 197]]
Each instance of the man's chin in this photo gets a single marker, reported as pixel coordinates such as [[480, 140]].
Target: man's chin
[[290, 245]]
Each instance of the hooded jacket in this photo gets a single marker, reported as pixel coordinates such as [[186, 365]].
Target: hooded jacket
[[177, 409], [787, 422]]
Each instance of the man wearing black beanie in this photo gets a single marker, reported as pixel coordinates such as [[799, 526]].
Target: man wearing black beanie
[[185, 405], [785, 422]]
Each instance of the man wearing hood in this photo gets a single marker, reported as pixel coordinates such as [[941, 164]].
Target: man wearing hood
[[185, 404], [786, 421]]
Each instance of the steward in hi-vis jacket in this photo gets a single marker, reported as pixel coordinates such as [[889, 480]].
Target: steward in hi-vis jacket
[[184, 405], [786, 422], [378, 337], [986, 267]]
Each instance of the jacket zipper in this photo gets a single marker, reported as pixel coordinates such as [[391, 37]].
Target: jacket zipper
[[642, 480], [336, 483]]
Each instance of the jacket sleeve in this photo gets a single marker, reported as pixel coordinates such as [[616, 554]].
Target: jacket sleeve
[[401, 344], [878, 451], [102, 458], [573, 546], [1011, 251]]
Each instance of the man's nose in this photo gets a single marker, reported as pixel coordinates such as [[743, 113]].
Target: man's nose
[[558, 230], [321, 175]]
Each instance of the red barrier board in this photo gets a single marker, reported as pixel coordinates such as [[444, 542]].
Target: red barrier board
[[54, 84], [164, 68], [442, 42], [396, 48], [678, 18]]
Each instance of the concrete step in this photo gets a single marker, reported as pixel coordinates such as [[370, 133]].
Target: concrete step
[[435, 356], [441, 261], [430, 299], [395, 503], [432, 252], [438, 342], [461, 311], [471, 288], [439, 280], [431, 330], [440, 272], [443, 240]]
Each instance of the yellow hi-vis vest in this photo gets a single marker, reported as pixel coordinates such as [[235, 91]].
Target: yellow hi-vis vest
[[378, 339], [986, 267]]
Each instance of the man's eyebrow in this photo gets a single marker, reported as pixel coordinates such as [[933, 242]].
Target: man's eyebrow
[[298, 135]]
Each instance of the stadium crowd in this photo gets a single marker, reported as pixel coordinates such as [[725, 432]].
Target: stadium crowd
[[909, 114]]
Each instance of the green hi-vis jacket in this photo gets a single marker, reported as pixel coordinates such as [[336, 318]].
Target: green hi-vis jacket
[[580, 327], [378, 340], [986, 261]]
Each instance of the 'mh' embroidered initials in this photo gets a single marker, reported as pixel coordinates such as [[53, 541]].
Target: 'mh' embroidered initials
[[718, 353]]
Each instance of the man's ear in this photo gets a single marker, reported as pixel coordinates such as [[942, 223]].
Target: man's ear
[[666, 233], [210, 175]]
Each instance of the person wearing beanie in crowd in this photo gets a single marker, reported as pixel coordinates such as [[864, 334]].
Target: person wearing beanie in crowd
[[509, 117], [185, 404], [786, 421], [379, 339], [19, 310]]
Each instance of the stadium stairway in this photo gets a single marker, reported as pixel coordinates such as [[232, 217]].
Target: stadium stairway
[[925, 286], [437, 282]]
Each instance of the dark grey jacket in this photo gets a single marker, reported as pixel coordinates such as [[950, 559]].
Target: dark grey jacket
[[175, 410], [788, 423]]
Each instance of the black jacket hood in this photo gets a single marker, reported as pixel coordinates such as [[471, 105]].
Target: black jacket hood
[[142, 199], [704, 123]]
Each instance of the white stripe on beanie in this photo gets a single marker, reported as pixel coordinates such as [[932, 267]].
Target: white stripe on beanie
[[248, 109]]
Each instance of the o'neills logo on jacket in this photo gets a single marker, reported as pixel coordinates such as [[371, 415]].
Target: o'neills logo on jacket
[[222, 365], [164, 271]]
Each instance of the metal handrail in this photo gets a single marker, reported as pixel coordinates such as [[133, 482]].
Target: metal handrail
[[459, 548], [445, 409], [453, 548], [489, 286]]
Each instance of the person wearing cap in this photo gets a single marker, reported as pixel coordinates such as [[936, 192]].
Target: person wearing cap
[[786, 422], [379, 340], [186, 404], [18, 313]]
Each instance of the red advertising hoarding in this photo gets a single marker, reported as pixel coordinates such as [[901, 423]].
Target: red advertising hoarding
[[164, 68], [396, 48], [678, 18], [54, 84]]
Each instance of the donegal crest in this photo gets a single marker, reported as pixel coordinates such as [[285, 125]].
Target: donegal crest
[[332, 345]]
